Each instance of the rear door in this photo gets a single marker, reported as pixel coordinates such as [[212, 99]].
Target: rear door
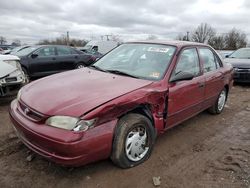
[[66, 58], [186, 97], [214, 76], [43, 64]]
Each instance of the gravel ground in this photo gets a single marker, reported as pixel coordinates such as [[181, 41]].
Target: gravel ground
[[205, 151]]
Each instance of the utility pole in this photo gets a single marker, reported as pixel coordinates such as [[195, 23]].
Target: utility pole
[[67, 38], [108, 37], [187, 35]]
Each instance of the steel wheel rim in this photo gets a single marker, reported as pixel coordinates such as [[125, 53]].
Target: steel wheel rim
[[221, 100], [80, 66], [136, 144]]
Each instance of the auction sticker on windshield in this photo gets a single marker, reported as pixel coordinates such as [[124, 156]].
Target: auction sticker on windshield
[[155, 75], [155, 49]]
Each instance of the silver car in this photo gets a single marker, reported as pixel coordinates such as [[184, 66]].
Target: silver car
[[11, 75]]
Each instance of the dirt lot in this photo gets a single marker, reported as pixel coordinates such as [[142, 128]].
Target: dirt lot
[[205, 151]]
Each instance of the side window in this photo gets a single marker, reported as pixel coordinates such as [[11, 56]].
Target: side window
[[208, 59], [61, 50], [188, 62], [46, 51]]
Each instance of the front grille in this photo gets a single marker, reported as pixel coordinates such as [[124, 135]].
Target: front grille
[[244, 76], [10, 79], [30, 113], [243, 70]]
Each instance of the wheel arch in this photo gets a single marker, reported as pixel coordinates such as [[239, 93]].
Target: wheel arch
[[143, 109]]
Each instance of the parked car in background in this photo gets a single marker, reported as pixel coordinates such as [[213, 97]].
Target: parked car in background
[[6, 48], [17, 49], [94, 53], [118, 106], [1, 51], [11, 75], [100, 46], [225, 53], [240, 60], [38, 61]]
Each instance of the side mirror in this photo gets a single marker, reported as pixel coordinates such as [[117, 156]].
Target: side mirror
[[226, 56], [34, 55], [182, 76]]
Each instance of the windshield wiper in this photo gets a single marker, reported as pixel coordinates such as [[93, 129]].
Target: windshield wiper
[[97, 68], [122, 73]]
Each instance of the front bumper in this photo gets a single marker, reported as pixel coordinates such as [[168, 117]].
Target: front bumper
[[61, 146], [11, 84], [242, 75]]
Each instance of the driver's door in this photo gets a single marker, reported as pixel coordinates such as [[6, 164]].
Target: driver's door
[[44, 62], [186, 96]]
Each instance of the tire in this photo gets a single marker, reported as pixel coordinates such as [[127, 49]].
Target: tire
[[80, 65], [133, 141], [218, 107]]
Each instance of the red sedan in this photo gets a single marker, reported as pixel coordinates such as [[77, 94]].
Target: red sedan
[[117, 107]]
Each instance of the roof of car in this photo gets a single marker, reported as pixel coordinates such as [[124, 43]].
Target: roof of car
[[170, 42]]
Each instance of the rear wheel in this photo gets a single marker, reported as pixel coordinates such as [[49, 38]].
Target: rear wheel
[[218, 107], [133, 141]]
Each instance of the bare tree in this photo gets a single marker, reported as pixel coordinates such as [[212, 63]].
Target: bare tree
[[116, 38], [151, 37], [2, 40], [203, 33], [63, 41], [16, 42], [217, 42], [182, 37], [235, 39]]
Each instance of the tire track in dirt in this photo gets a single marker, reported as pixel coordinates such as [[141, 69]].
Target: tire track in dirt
[[215, 148]]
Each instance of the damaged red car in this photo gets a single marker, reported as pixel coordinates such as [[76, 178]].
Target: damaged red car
[[117, 107]]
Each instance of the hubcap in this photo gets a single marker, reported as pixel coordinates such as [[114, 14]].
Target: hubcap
[[222, 100], [135, 145], [80, 66]]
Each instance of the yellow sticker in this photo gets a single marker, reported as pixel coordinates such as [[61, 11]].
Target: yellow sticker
[[155, 74]]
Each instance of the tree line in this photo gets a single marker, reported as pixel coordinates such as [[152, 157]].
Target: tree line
[[204, 33]]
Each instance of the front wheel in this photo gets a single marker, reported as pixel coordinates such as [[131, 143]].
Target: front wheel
[[133, 141], [218, 107], [79, 66]]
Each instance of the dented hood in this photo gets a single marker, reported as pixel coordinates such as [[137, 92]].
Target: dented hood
[[74, 93], [6, 69]]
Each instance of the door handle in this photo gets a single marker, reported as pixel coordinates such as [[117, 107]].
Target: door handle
[[201, 85], [53, 58]]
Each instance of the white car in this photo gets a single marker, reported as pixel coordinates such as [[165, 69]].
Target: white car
[[11, 75]]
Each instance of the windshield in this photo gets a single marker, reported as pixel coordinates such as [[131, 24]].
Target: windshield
[[15, 50], [88, 47], [243, 53], [146, 61], [25, 51]]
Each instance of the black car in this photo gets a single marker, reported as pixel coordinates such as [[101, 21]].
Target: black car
[[39, 61], [240, 60]]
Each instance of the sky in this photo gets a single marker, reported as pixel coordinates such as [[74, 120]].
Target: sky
[[33, 20]]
